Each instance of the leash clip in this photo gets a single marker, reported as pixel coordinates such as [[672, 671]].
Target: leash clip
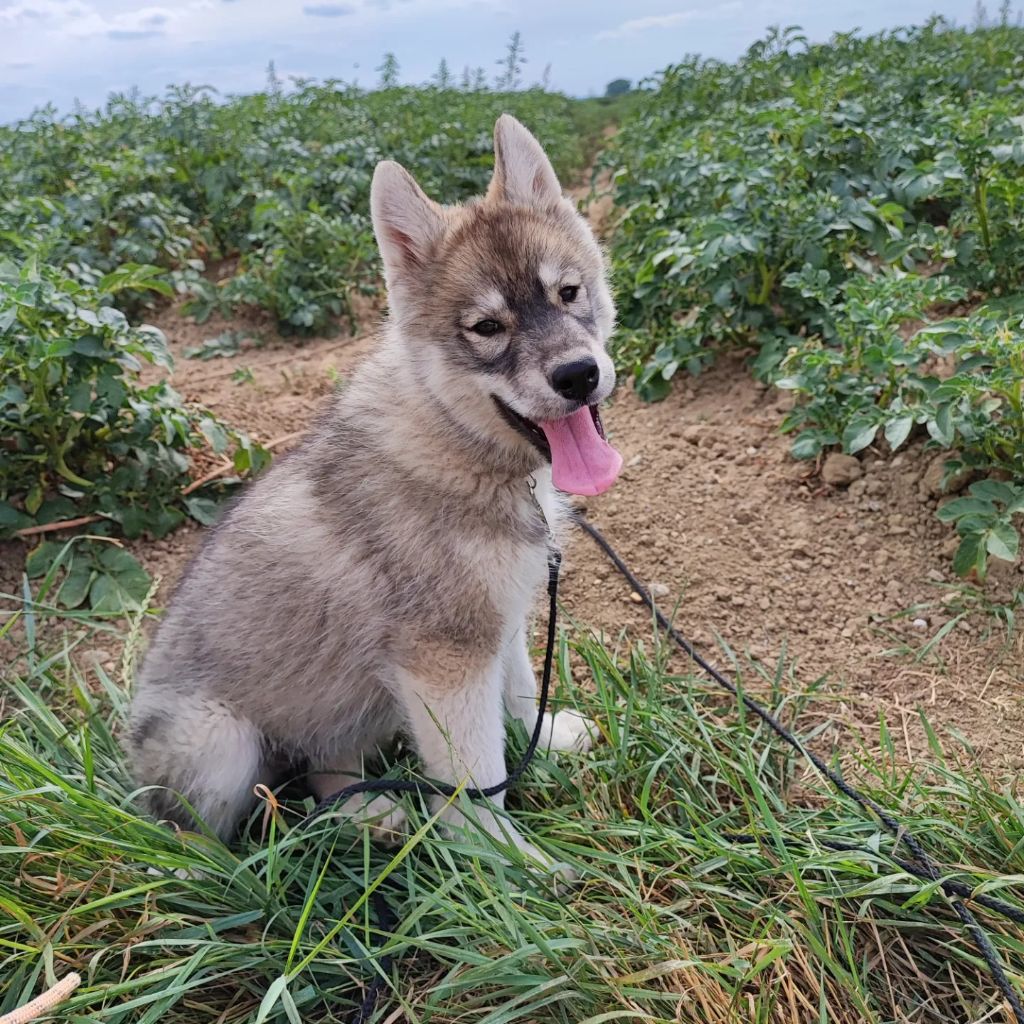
[[531, 483]]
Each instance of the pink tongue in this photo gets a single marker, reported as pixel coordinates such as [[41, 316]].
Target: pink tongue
[[582, 461]]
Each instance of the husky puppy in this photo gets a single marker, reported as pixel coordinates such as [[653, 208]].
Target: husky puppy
[[378, 579]]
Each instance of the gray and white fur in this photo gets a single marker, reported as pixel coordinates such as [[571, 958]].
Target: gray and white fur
[[378, 579]]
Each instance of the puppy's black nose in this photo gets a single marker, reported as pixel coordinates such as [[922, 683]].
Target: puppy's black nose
[[576, 379]]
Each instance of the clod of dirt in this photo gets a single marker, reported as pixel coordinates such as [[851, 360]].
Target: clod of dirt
[[931, 485], [840, 470]]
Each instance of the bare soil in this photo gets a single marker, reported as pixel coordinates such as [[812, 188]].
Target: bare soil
[[757, 557]]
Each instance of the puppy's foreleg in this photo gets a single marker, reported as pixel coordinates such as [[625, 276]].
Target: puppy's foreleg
[[520, 684], [564, 730], [453, 704]]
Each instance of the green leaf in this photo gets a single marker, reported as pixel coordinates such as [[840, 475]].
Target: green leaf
[[133, 521], [251, 457], [11, 519], [898, 430], [34, 499], [203, 510], [270, 998], [76, 585], [654, 389], [139, 276], [1017, 504], [116, 560], [965, 506], [40, 560], [163, 520], [11, 394], [941, 427], [80, 397], [1003, 541], [858, 435], [214, 433], [53, 510], [122, 591], [807, 445], [994, 490], [970, 555], [91, 346], [973, 523]]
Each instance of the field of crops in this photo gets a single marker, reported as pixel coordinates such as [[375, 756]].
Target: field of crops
[[821, 204], [833, 230]]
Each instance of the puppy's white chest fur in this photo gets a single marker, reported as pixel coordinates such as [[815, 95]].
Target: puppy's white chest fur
[[527, 569]]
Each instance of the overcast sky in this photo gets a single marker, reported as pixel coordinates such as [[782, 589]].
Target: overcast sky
[[59, 50]]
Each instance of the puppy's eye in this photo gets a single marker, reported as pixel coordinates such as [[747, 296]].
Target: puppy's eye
[[487, 328], [569, 292]]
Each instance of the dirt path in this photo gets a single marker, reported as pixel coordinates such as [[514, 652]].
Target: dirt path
[[765, 560]]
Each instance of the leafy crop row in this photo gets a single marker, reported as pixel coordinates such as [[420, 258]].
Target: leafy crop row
[[820, 203], [278, 181]]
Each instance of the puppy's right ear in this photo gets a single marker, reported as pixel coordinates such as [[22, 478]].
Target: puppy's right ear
[[407, 224], [523, 174]]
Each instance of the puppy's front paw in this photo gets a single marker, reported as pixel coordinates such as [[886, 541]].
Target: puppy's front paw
[[384, 816], [184, 874], [506, 833], [562, 873], [568, 730]]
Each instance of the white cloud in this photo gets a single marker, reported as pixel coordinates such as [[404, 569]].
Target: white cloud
[[328, 10], [142, 24], [83, 20], [36, 11], [659, 21]]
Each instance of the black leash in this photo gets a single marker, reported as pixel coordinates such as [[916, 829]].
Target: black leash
[[385, 917], [921, 866], [425, 788]]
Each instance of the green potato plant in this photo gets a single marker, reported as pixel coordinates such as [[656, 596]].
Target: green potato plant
[[89, 573], [988, 525], [80, 434], [276, 182]]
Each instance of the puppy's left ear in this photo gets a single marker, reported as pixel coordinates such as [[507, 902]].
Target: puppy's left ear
[[523, 174]]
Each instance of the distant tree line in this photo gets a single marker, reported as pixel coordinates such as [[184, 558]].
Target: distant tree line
[[509, 77]]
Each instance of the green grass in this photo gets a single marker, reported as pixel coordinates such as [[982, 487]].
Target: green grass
[[669, 922]]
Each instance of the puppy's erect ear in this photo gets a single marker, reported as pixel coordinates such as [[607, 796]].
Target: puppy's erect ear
[[407, 224], [523, 174]]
